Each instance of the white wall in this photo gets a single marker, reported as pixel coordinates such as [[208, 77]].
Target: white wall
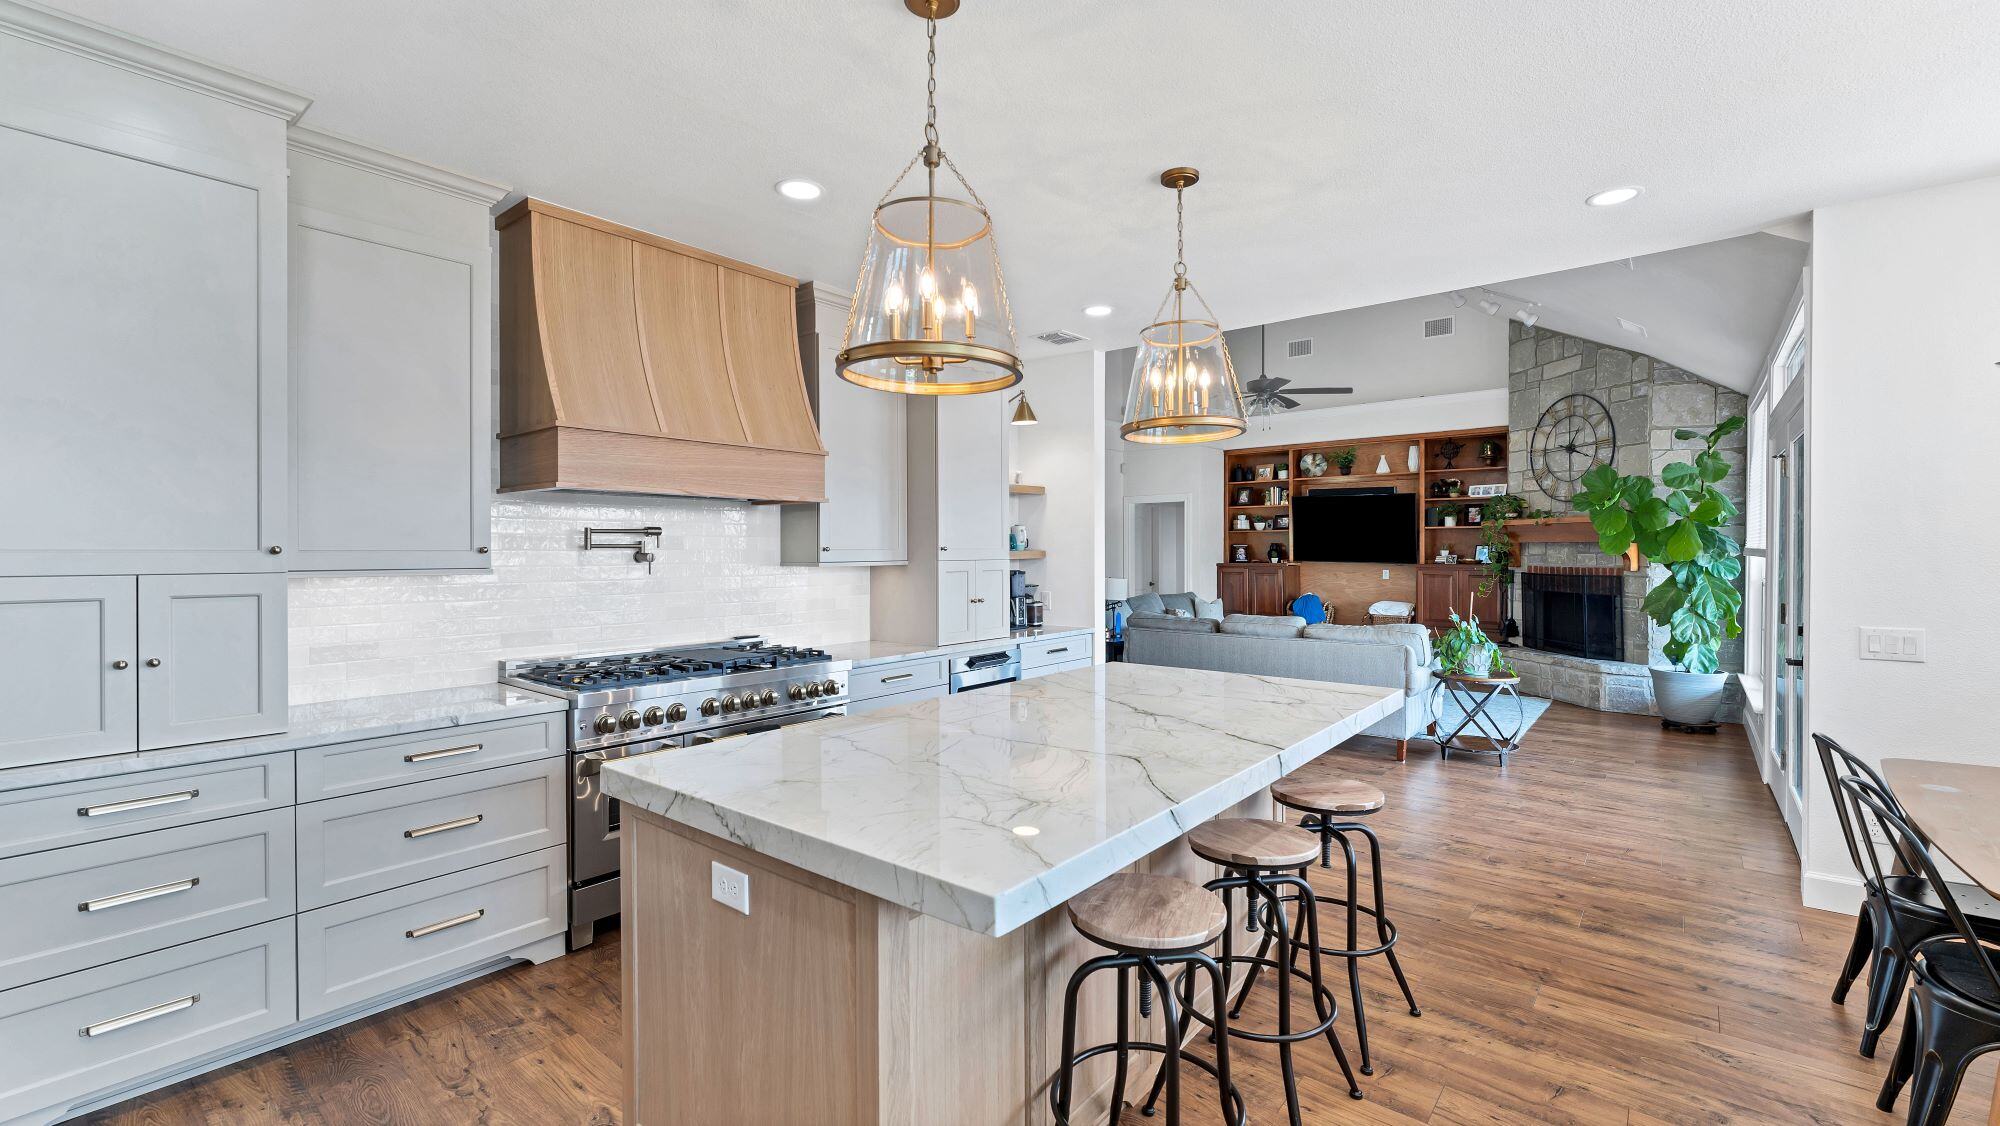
[[1901, 408], [1197, 470], [717, 575], [1065, 452]]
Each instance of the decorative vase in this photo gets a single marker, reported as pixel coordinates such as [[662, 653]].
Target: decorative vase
[[1692, 698], [1382, 466], [1416, 459]]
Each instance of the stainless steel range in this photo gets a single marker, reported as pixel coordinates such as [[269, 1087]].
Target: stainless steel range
[[632, 703]]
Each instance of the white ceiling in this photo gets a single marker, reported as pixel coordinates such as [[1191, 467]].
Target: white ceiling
[[1352, 153]]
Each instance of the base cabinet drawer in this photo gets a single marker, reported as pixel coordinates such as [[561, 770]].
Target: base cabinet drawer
[[896, 699], [1056, 650], [372, 842], [101, 808], [354, 768], [1045, 670], [72, 908], [905, 676], [366, 947], [67, 1037]]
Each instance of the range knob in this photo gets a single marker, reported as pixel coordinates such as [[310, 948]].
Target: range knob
[[654, 716], [605, 725], [768, 698], [676, 713], [710, 707], [814, 689], [629, 721], [830, 688], [730, 704], [796, 691]]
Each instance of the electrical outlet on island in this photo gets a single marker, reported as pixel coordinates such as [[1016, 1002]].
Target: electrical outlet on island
[[729, 887]]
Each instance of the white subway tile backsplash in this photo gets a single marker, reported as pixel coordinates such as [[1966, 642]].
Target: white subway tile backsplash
[[717, 575]]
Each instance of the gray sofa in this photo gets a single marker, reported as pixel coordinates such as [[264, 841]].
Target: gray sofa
[[1392, 656]]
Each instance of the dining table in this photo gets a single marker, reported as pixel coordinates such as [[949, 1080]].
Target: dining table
[[1956, 805]]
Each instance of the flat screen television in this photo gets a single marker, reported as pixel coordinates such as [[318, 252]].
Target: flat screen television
[[1355, 528]]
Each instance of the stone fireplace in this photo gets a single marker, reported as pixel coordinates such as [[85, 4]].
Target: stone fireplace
[[1573, 611]]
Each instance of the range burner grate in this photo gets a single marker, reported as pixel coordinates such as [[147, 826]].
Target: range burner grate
[[668, 665]]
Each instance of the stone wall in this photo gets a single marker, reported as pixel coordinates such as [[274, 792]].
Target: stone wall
[[1647, 399]]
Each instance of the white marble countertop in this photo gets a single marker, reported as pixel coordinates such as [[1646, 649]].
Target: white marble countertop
[[313, 725], [989, 808], [882, 651]]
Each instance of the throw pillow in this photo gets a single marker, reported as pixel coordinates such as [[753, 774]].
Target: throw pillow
[[1212, 610], [1182, 601], [1146, 602]]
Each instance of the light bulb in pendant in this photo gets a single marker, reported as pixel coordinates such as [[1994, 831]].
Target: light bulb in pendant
[[926, 284]]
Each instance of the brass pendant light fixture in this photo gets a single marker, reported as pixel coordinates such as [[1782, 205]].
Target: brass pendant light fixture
[[1183, 387], [930, 313]]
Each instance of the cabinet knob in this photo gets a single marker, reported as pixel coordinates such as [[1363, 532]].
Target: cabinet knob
[[826, 549], [121, 664], [276, 550], [483, 549], [152, 662]]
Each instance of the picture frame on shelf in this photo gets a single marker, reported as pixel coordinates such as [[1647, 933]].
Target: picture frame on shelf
[[1267, 472], [1495, 490], [1239, 553]]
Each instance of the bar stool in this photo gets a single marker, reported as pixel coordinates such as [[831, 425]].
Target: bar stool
[[1263, 858], [1329, 806], [1149, 922]]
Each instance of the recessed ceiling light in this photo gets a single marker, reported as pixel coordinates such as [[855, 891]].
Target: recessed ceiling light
[[1097, 310], [1612, 197], [801, 190]]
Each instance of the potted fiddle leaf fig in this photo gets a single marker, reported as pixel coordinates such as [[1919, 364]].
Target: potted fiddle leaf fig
[[1678, 524]]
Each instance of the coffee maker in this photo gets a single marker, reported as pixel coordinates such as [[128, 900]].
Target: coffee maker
[[1017, 599]]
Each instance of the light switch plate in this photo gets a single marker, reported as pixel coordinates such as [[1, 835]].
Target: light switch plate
[[1884, 643], [729, 887]]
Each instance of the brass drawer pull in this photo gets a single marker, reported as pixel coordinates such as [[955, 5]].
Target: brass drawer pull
[[140, 1017], [897, 677], [448, 752], [139, 896], [447, 924], [444, 826], [137, 803]]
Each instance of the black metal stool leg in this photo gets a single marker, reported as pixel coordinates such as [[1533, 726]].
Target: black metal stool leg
[[1219, 999], [1170, 1066], [1284, 984], [1310, 920], [1382, 931], [1354, 943], [1124, 1041]]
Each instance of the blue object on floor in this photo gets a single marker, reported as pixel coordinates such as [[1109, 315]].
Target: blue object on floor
[[1310, 607]]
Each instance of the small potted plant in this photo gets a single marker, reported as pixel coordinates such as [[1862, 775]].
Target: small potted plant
[[1698, 602], [1450, 516], [1465, 650], [1344, 458]]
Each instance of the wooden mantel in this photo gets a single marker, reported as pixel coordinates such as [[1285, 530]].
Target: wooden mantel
[[1571, 528]]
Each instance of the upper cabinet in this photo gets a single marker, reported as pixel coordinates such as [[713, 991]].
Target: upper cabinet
[[631, 363], [142, 305], [391, 330], [862, 519]]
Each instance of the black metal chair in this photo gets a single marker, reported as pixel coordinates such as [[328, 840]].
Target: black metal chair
[[1954, 1010], [1899, 903]]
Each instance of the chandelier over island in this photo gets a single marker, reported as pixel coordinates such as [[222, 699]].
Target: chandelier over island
[[1183, 387], [930, 313]]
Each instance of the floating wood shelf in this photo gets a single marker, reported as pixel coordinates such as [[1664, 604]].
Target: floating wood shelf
[[1466, 469], [1037, 553], [1027, 490]]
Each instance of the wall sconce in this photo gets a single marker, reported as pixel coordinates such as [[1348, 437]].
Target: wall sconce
[[1024, 415]]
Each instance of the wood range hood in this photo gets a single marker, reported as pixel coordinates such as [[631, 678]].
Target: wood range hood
[[633, 364]]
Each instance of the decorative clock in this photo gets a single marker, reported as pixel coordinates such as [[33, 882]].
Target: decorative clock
[[1574, 436]]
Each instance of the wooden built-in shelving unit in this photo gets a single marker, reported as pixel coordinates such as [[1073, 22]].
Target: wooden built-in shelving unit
[[1349, 588]]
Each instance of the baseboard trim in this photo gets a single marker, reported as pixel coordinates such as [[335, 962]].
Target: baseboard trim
[[1828, 892]]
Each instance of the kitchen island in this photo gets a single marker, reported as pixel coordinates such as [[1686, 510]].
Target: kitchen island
[[901, 959]]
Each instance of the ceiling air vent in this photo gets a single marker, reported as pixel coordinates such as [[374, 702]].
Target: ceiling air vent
[[1297, 348], [1059, 337], [1437, 326]]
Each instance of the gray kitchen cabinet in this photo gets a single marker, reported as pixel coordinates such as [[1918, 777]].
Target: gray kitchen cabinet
[[989, 595], [955, 586], [897, 699], [862, 520], [142, 302], [101, 809], [211, 658], [391, 361], [68, 657]]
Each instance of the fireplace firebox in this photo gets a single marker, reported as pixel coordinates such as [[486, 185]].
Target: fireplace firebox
[[1573, 611]]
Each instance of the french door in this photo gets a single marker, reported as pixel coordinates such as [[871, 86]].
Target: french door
[[1785, 675]]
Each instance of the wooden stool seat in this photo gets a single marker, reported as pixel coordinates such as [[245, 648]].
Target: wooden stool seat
[[1137, 911], [1250, 842], [1328, 795]]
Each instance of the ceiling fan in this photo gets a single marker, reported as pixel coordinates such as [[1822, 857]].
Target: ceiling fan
[[1266, 395]]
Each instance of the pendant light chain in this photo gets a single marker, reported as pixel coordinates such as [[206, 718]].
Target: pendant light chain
[[932, 152], [1180, 240]]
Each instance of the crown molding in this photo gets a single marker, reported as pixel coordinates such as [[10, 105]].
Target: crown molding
[[354, 154], [106, 45]]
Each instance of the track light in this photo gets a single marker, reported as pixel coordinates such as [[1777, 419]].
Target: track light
[[1457, 299], [1527, 315], [1489, 306]]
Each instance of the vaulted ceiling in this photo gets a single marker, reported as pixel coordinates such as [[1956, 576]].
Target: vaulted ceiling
[[1352, 153]]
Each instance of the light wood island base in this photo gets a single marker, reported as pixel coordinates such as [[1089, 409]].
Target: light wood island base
[[830, 1006]]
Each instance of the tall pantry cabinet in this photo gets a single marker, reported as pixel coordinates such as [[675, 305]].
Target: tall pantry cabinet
[[955, 586]]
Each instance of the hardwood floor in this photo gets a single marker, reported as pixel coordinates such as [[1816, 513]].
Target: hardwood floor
[[1606, 932]]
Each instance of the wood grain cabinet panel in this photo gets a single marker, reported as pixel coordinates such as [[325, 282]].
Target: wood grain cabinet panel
[[681, 343], [61, 640], [759, 334]]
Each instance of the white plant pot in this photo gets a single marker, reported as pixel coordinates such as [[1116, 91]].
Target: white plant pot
[[1451, 521], [1688, 697], [1479, 664]]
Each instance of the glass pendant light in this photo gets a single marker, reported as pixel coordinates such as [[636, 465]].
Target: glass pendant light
[[1183, 388], [930, 313]]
